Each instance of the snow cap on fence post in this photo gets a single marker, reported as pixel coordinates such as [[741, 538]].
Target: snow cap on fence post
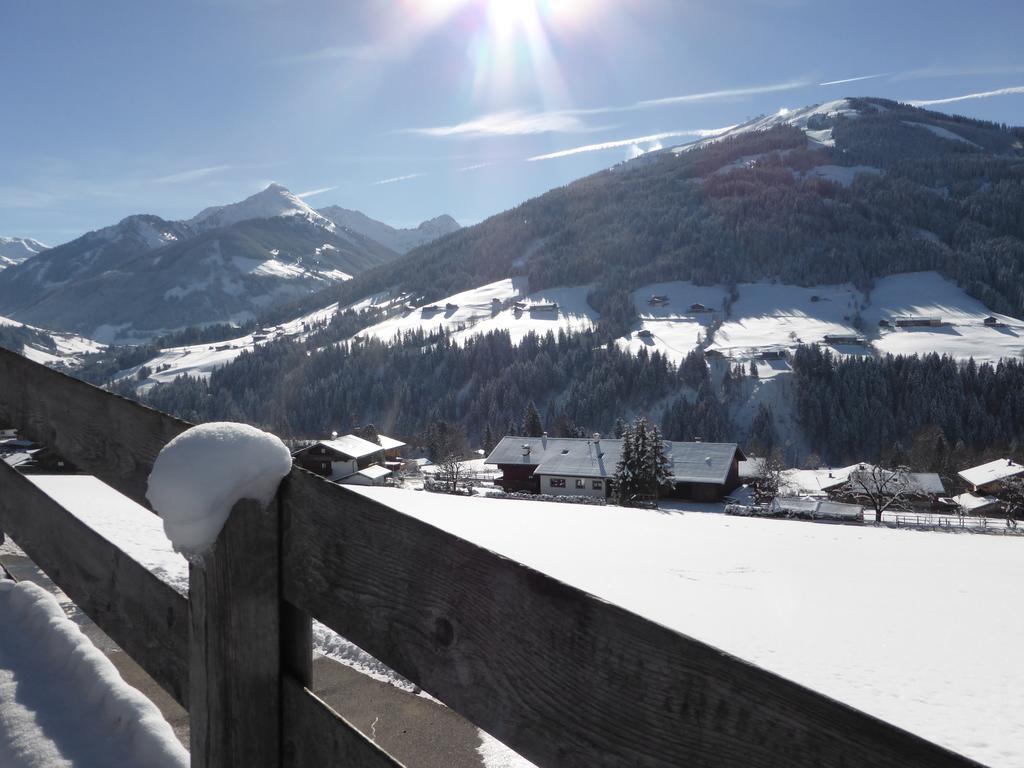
[[200, 475]]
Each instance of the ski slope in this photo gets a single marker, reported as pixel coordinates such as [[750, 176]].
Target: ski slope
[[869, 616]]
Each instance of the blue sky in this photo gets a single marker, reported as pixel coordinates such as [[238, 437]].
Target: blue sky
[[407, 109]]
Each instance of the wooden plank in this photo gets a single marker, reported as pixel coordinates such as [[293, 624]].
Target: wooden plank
[[235, 650], [562, 677], [316, 735], [105, 435], [140, 613]]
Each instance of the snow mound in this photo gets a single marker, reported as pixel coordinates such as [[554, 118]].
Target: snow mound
[[63, 702], [200, 474]]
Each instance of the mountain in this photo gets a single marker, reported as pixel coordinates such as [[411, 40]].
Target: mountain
[[399, 240], [53, 348], [14, 250], [845, 192], [145, 275]]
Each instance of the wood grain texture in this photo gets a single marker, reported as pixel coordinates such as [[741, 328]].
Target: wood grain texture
[[315, 735], [105, 435], [140, 613], [235, 652], [562, 677]]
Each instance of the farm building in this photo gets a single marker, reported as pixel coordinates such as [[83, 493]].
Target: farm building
[[993, 322], [644, 334], [988, 478], [584, 466], [698, 308], [844, 338], [658, 301], [912, 321], [921, 490], [340, 457]]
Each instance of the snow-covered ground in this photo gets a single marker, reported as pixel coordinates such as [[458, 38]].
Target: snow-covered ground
[[770, 316], [962, 333], [573, 314], [674, 330], [466, 309], [885, 620], [68, 347], [63, 704]]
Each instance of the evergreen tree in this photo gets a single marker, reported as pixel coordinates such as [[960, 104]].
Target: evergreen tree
[[532, 426], [620, 428]]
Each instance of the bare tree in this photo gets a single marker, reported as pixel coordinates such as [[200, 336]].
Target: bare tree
[[450, 473], [882, 488]]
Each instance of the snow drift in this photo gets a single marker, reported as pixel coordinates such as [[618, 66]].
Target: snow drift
[[62, 702], [200, 475]]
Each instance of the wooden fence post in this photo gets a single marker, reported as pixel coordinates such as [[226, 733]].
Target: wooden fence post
[[235, 644]]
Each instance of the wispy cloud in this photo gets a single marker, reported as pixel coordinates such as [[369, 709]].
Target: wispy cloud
[[510, 123], [1017, 89], [637, 140], [394, 179], [855, 79], [727, 93], [310, 193], [474, 167], [193, 175], [524, 122]]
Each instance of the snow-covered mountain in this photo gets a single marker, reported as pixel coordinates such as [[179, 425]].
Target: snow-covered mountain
[[14, 250], [399, 240], [145, 275], [273, 202], [61, 350]]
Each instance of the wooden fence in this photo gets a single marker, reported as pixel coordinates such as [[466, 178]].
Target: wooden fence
[[564, 678]]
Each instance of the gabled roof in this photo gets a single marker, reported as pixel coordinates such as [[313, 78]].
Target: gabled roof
[[351, 446], [374, 472], [389, 443], [582, 457], [1000, 469]]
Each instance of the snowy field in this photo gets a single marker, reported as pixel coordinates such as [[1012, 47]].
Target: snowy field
[[573, 315], [885, 620], [769, 316], [674, 330], [962, 334], [69, 347], [469, 308]]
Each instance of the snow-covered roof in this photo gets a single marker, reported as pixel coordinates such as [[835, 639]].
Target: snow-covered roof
[[351, 446], [818, 508], [1000, 469], [389, 443], [374, 472], [582, 457], [970, 502]]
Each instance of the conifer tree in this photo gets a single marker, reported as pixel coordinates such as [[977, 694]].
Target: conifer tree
[[532, 426]]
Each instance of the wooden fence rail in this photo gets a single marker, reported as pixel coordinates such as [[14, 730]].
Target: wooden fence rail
[[563, 677]]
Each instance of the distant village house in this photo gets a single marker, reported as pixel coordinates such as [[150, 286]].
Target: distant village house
[[352, 460], [585, 466]]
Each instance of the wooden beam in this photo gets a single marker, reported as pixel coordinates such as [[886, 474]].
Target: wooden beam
[[563, 677], [235, 649], [316, 735], [140, 613], [108, 436]]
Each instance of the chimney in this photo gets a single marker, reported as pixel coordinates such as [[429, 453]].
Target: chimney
[[697, 439], [334, 435], [526, 449], [544, 440]]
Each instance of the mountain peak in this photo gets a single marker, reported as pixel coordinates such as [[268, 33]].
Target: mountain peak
[[398, 240], [14, 250], [272, 202]]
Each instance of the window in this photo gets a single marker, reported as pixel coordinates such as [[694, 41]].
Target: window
[[580, 483], [597, 485], [557, 482]]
